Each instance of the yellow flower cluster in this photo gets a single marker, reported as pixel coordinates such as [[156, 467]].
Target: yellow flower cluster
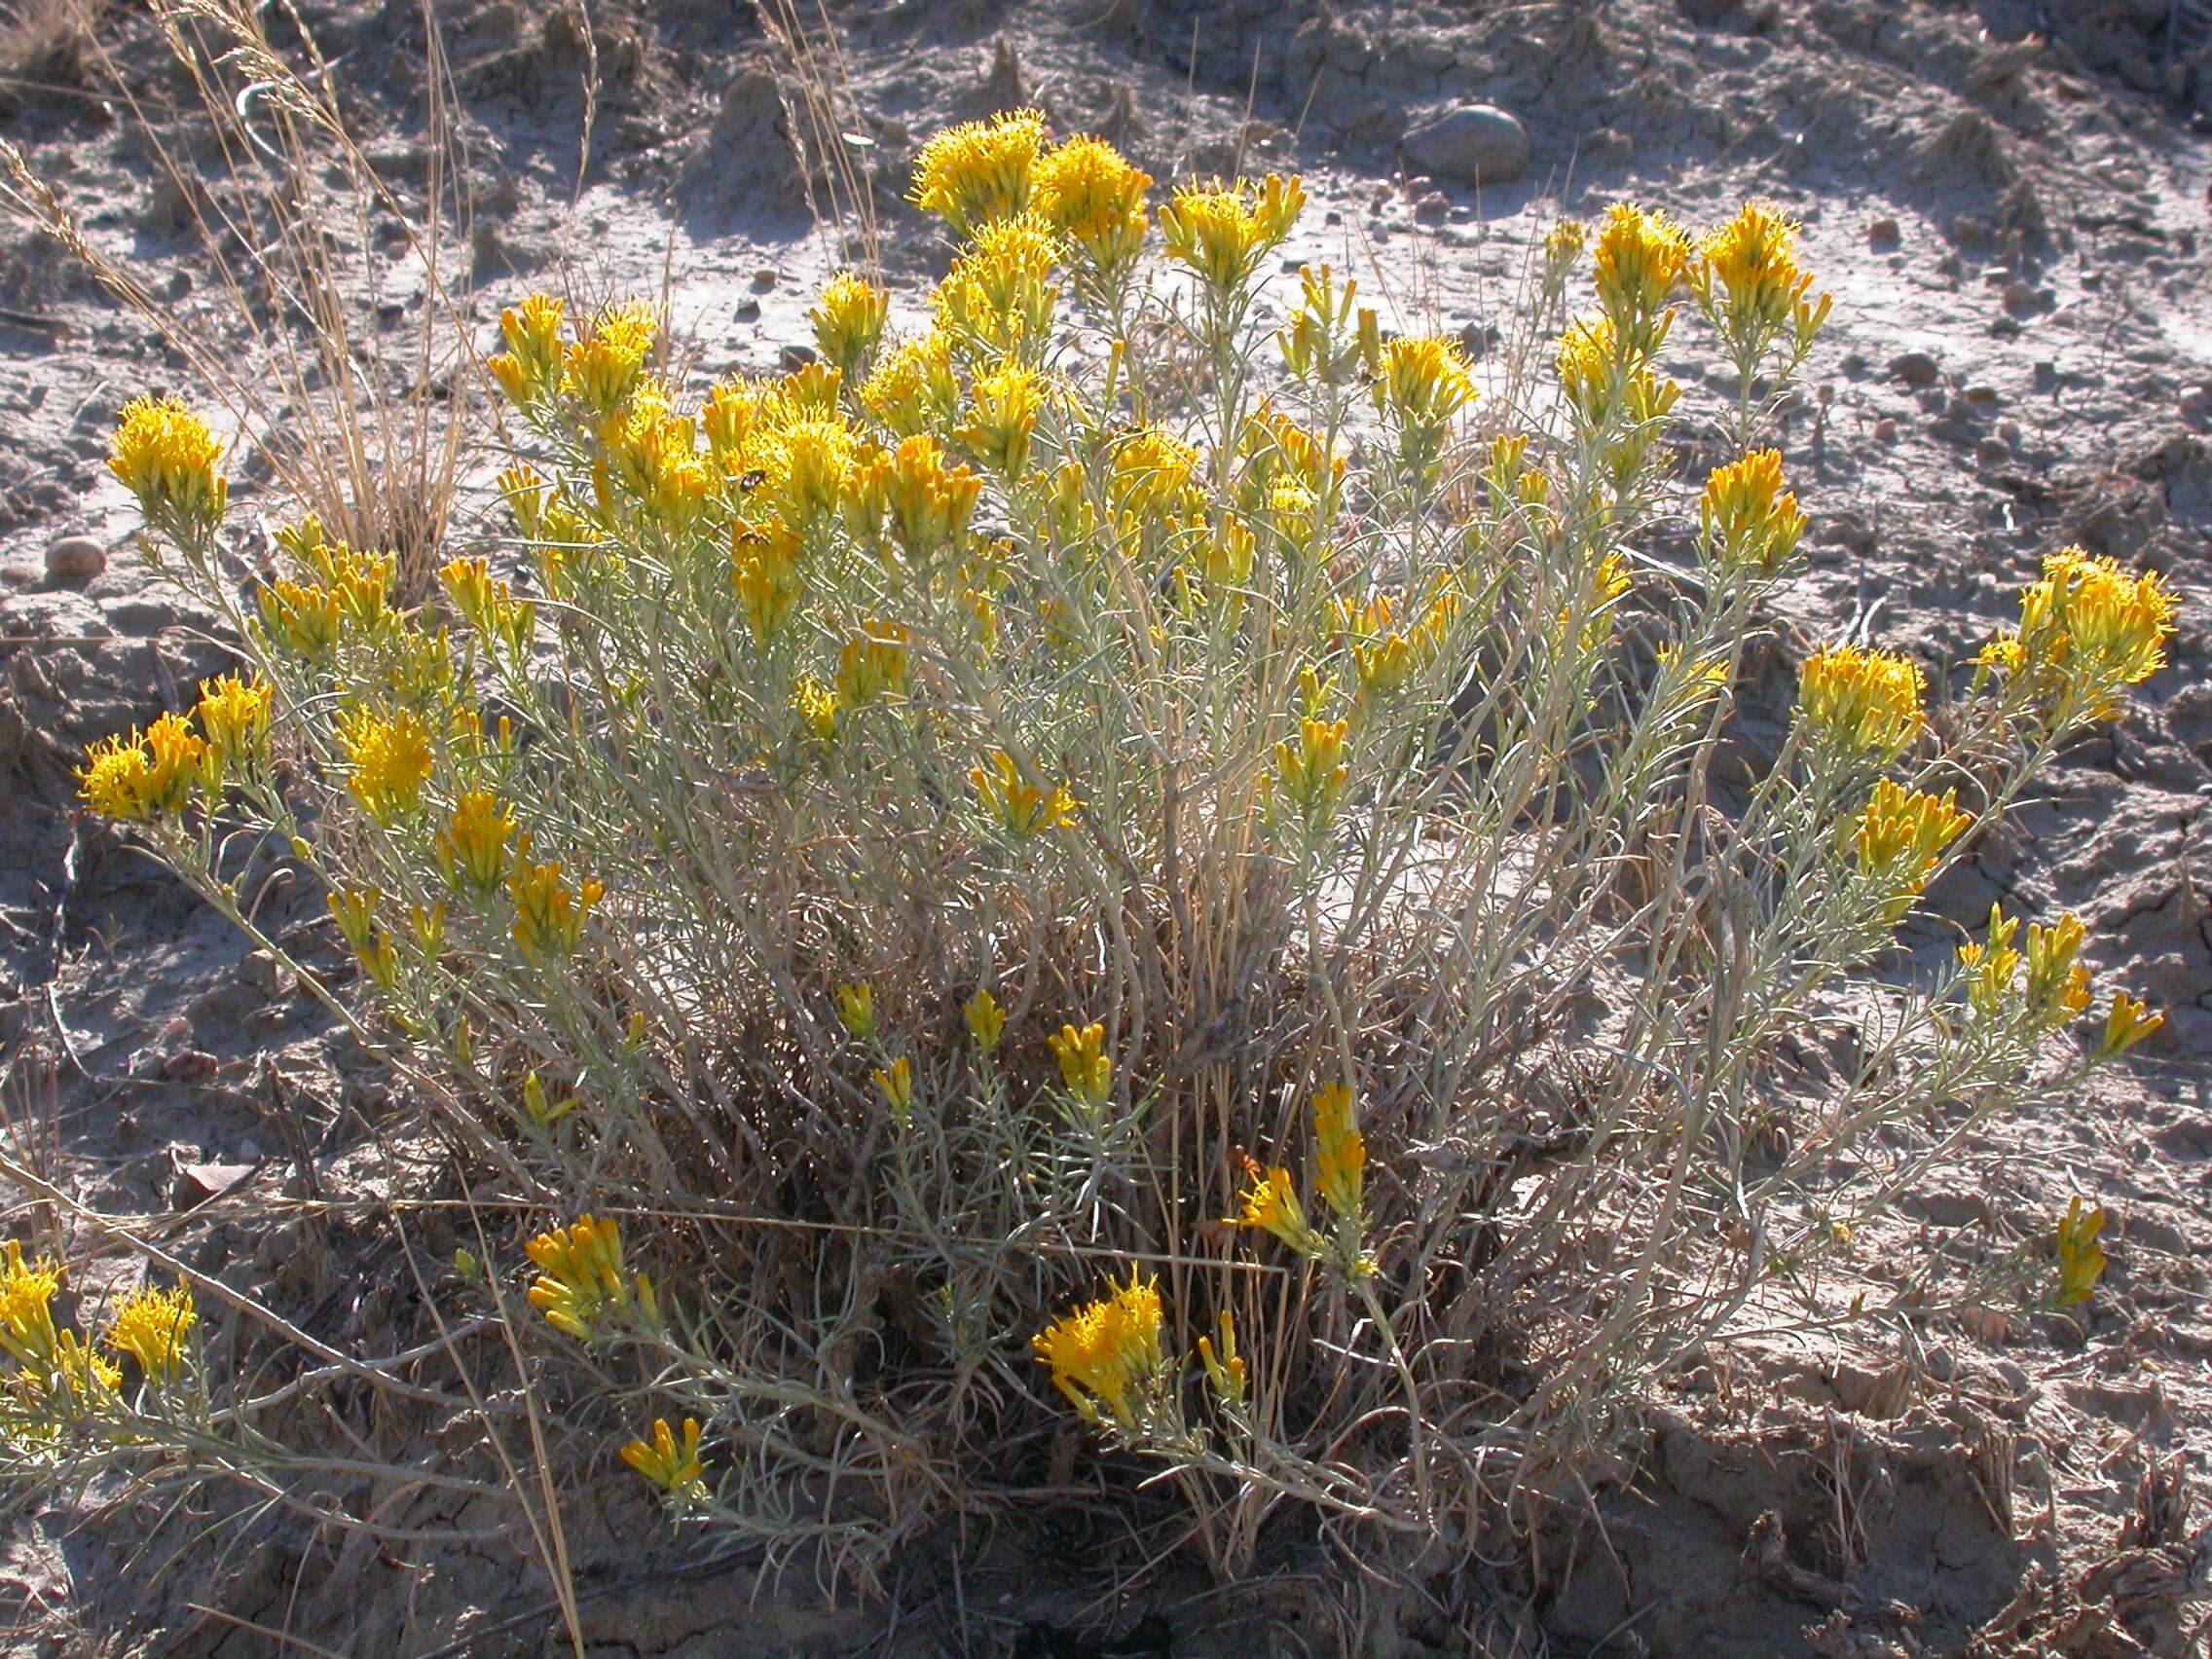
[[1326, 339], [1385, 656], [2057, 984], [1900, 832], [605, 366], [981, 171], [26, 1309], [529, 369], [151, 775], [1340, 1152], [999, 296], [876, 663], [1641, 263], [1106, 1355], [855, 1009], [391, 760], [913, 387], [1018, 807], [154, 1327], [895, 1083], [848, 320], [471, 850], [1095, 199], [2087, 629], [1863, 700], [1224, 1366], [1749, 282], [985, 1020], [584, 1288], [1085, 1068], [1420, 383], [549, 914], [1001, 418], [2081, 1258], [1750, 522], [1310, 769], [166, 456], [489, 605], [764, 566], [670, 1463], [1269, 1203], [1224, 231]]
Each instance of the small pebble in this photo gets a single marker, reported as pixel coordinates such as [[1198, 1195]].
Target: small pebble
[[17, 576], [749, 310], [1885, 431], [2196, 400], [75, 559], [796, 357], [1992, 452], [763, 279], [1883, 230], [1916, 368]]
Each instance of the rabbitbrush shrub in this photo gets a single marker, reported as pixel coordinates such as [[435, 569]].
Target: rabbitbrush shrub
[[1098, 860]]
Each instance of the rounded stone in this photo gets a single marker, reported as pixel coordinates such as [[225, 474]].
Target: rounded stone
[[75, 559], [1472, 144]]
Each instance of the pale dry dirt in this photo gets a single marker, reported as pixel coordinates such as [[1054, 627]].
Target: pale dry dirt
[[2008, 201]]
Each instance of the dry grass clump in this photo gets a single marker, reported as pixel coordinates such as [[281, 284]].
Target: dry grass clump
[[957, 897], [300, 240]]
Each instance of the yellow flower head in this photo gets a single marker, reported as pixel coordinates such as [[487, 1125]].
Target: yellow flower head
[[154, 1327], [1642, 260], [1310, 769], [1564, 243], [1325, 341], [895, 1083], [1224, 1366], [2081, 1258], [529, 369], [999, 292], [2058, 984], [807, 464], [671, 1463], [1423, 382], [1105, 1357], [979, 172], [1339, 1150], [855, 1009], [1746, 275], [1151, 475], [601, 370], [235, 719], [489, 605], [1085, 1067], [878, 663], [987, 1021], [1604, 382], [817, 704], [391, 760], [584, 1288], [26, 1309], [1863, 700], [146, 776], [2086, 630], [765, 568], [1992, 967], [1270, 1204], [2128, 1024], [549, 916], [1900, 833], [848, 322], [472, 848], [305, 619], [1003, 417], [1223, 231], [166, 455], [1018, 806], [930, 503], [1751, 521], [1094, 198], [912, 389], [653, 456]]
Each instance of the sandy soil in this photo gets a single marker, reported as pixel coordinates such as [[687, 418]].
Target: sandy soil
[[2009, 203]]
